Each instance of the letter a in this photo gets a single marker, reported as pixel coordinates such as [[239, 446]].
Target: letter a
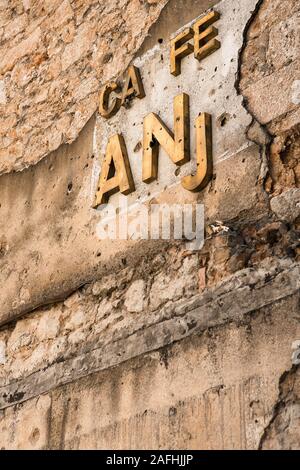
[[115, 172], [133, 85]]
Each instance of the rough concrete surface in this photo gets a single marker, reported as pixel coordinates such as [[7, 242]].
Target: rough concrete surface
[[48, 269], [147, 344]]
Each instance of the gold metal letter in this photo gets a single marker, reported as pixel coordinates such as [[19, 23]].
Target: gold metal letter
[[204, 155], [205, 34], [133, 85], [156, 133], [180, 48], [105, 109], [115, 172]]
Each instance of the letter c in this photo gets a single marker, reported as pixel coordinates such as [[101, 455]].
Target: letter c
[[105, 109]]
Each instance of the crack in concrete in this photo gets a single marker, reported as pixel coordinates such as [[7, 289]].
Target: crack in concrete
[[280, 404], [259, 134], [256, 131]]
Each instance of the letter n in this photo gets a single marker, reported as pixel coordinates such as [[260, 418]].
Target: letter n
[[156, 133], [115, 172]]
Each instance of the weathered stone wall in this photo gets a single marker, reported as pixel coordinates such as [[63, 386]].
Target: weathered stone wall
[[54, 56], [187, 396], [184, 349]]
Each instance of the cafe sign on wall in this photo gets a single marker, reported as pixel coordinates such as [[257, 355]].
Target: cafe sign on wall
[[176, 113]]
